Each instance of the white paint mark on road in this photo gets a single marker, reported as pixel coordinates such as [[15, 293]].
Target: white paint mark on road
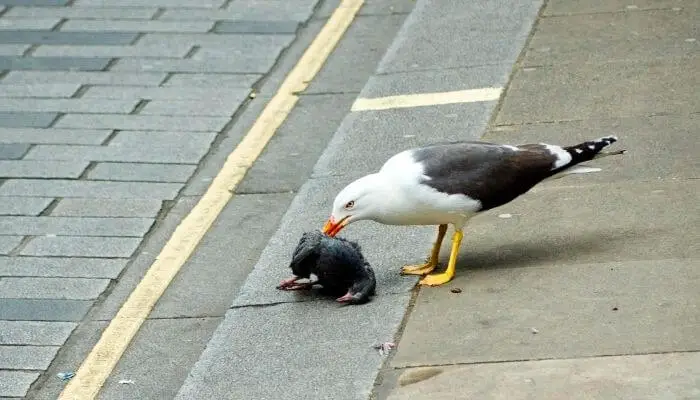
[[427, 99]]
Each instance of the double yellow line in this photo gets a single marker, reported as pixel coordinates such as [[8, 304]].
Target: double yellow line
[[104, 356]]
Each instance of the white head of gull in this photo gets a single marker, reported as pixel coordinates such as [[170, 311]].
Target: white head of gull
[[447, 184]]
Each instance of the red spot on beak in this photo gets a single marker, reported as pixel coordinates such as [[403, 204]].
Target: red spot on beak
[[331, 228]]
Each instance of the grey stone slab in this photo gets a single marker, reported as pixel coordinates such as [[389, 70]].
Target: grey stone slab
[[53, 267], [23, 205], [13, 151], [250, 63], [154, 3], [68, 105], [220, 265], [369, 7], [7, 243], [73, 246], [209, 107], [87, 78], [174, 50], [566, 7], [297, 144], [142, 172], [39, 90], [241, 368], [52, 288], [233, 81], [75, 226], [139, 13], [54, 136], [35, 332], [145, 208], [26, 119], [256, 27], [74, 38], [13, 49], [267, 13], [649, 141], [28, 23], [42, 169], [27, 357], [579, 310], [274, 10], [356, 56], [43, 310], [181, 341], [628, 36], [487, 32], [554, 93], [89, 189], [232, 45], [182, 93], [377, 135], [35, 3], [143, 122], [117, 25], [16, 383], [643, 377]]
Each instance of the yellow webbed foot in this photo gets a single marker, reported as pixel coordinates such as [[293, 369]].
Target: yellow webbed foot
[[437, 279], [419, 269]]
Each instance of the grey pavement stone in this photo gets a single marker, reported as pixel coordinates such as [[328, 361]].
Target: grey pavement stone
[[54, 267], [643, 377], [233, 81], [165, 138], [39, 90], [232, 45], [90, 189], [26, 119], [28, 23], [370, 7], [145, 208], [144, 122], [23, 205], [68, 105], [139, 13], [174, 50], [256, 27], [75, 226], [7, 243], [35, 3], [27, 357], [16, 383], [81, 246], [13, 151], [263, 10], [250, 63], [235, 368], [154, 3], [565, 7], [117, 25], [42, 169], [54, 136], [628, 36], [551, 93], [226, 94], [141, 172], [35, 332], [13, 49], [211, 107], [88, 78], [43, 310], [74, 38], [52, 288]]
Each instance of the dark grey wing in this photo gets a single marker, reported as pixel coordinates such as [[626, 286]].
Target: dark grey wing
[[492, 173], [306, 254]]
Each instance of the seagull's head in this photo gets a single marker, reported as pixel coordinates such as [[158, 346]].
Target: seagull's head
[[359, 200]]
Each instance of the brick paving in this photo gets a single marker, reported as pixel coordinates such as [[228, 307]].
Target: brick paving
[[105, 113]]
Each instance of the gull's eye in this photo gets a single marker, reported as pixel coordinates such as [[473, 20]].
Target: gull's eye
[[349, 204]]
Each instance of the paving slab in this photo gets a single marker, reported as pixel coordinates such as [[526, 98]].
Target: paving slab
[[144, 208], [69, 105], [643, 377], [75, 226], [172, 50], [26, 119], [16, 383], [143, 122], [249, 63], [119, 25], [54, 136], [233, 44], [53, 37], [39, 90], [257, 10], [139, 13], [89, 189], [87, 78], [53, 63], [13, 151], [566, 7], [81, 246], [61, 267], [233, 81], [35, 332], [141, 172], [52, 288], [23, 205], [42, 169], [8, 243], [28, 23], [264, 27], [26, 357], [232, 95], [211, 107], [43, 309], [13, 49]]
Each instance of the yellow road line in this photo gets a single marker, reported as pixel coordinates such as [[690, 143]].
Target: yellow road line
[[427, 99], [104, 356]]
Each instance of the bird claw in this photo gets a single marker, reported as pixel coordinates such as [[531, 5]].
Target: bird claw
[[291, 284], [420, 269], [436, 279]]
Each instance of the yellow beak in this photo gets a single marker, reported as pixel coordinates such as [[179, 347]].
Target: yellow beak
[[331, 228]]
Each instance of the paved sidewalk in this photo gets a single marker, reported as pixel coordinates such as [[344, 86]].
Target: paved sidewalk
[[588, 286], [106, 110]]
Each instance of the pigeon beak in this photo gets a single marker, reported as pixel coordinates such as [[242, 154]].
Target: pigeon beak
[[331, 228]]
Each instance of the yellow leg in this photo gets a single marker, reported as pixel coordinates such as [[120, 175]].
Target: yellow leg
[[439, 279], [426, 268]]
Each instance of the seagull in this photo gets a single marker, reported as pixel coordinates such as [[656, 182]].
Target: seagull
[[449, 183]]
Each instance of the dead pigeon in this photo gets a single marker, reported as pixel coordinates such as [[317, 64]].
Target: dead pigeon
[[337, 263]]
